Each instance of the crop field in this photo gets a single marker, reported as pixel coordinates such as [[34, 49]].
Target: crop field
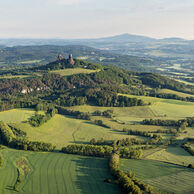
[[119, 125], [59, 173], [189, 134], [67, 72], [168, 91], [166, 177], [16, 115], [62, 130], [175, 155], [168, 108], [159, 109]]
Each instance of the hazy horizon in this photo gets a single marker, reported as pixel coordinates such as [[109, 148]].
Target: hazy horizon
[[78, 19], [108, 36]]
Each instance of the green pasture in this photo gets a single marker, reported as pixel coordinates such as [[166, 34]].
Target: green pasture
[[134, 125], [62, 130], [181, 94], [16, 115], [164, 176], [175, 155], [59, 173], [159, 109], [167, 108], [68, 72]]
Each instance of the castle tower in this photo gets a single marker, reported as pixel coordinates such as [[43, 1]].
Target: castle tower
[[60, 57], [70, 60]]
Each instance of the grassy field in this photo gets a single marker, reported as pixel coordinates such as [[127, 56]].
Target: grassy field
[[159, 109], [168, 108], [167, 91], [51, 173], [62, 130], [185, 82], [134, 125], [13, 76], [16, 115], [176, 155], [67, 72], [166, 177]]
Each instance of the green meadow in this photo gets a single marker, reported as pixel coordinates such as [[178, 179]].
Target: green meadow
[[68, 72], [62, 130], [166, 177], [175, 155], [181, 94], [16, 115], [49, 173]]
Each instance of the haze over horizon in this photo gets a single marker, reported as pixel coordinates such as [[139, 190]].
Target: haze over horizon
[[74, 19]]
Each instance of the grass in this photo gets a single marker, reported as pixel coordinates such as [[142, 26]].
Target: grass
[[134, 125], [13, 76], [166, 177], [153, 168], [167, 91], [56, 173], [62, 130], [185, 82], [16, 115], [181, 182], [176, 155], [159, 109], [167, 108], [68, 72]]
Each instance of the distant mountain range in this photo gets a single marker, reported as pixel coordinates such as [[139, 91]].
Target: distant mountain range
[[123, 38]]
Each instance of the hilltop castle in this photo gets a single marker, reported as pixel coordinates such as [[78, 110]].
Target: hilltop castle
[[70, 59]]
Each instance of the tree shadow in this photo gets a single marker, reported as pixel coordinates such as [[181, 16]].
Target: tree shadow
[[91, 173], [10, 188], [79, 142], [173, 150]]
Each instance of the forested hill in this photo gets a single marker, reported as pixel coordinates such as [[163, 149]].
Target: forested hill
[[102, 86]]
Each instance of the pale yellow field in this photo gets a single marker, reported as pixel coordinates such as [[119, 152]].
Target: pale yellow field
[[67, 72], [16, 115], [167, 91]]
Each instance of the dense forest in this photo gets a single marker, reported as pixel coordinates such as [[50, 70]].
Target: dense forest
[[98, 88]]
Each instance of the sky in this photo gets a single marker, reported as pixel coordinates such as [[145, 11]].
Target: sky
[[96, 18]]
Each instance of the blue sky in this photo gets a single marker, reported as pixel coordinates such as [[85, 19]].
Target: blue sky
[[96, 18]]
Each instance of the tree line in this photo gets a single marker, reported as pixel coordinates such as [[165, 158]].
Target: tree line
[[188, 146], [108, 98], [101, 151], [77, 114], [88, 150], [8, 138], [174, 123], [1, 160], [170, 96], [127, 181]]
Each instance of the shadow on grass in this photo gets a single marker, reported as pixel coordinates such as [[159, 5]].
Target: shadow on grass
[[176, 150], [91, 173], [79, 142], [10, 188]]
